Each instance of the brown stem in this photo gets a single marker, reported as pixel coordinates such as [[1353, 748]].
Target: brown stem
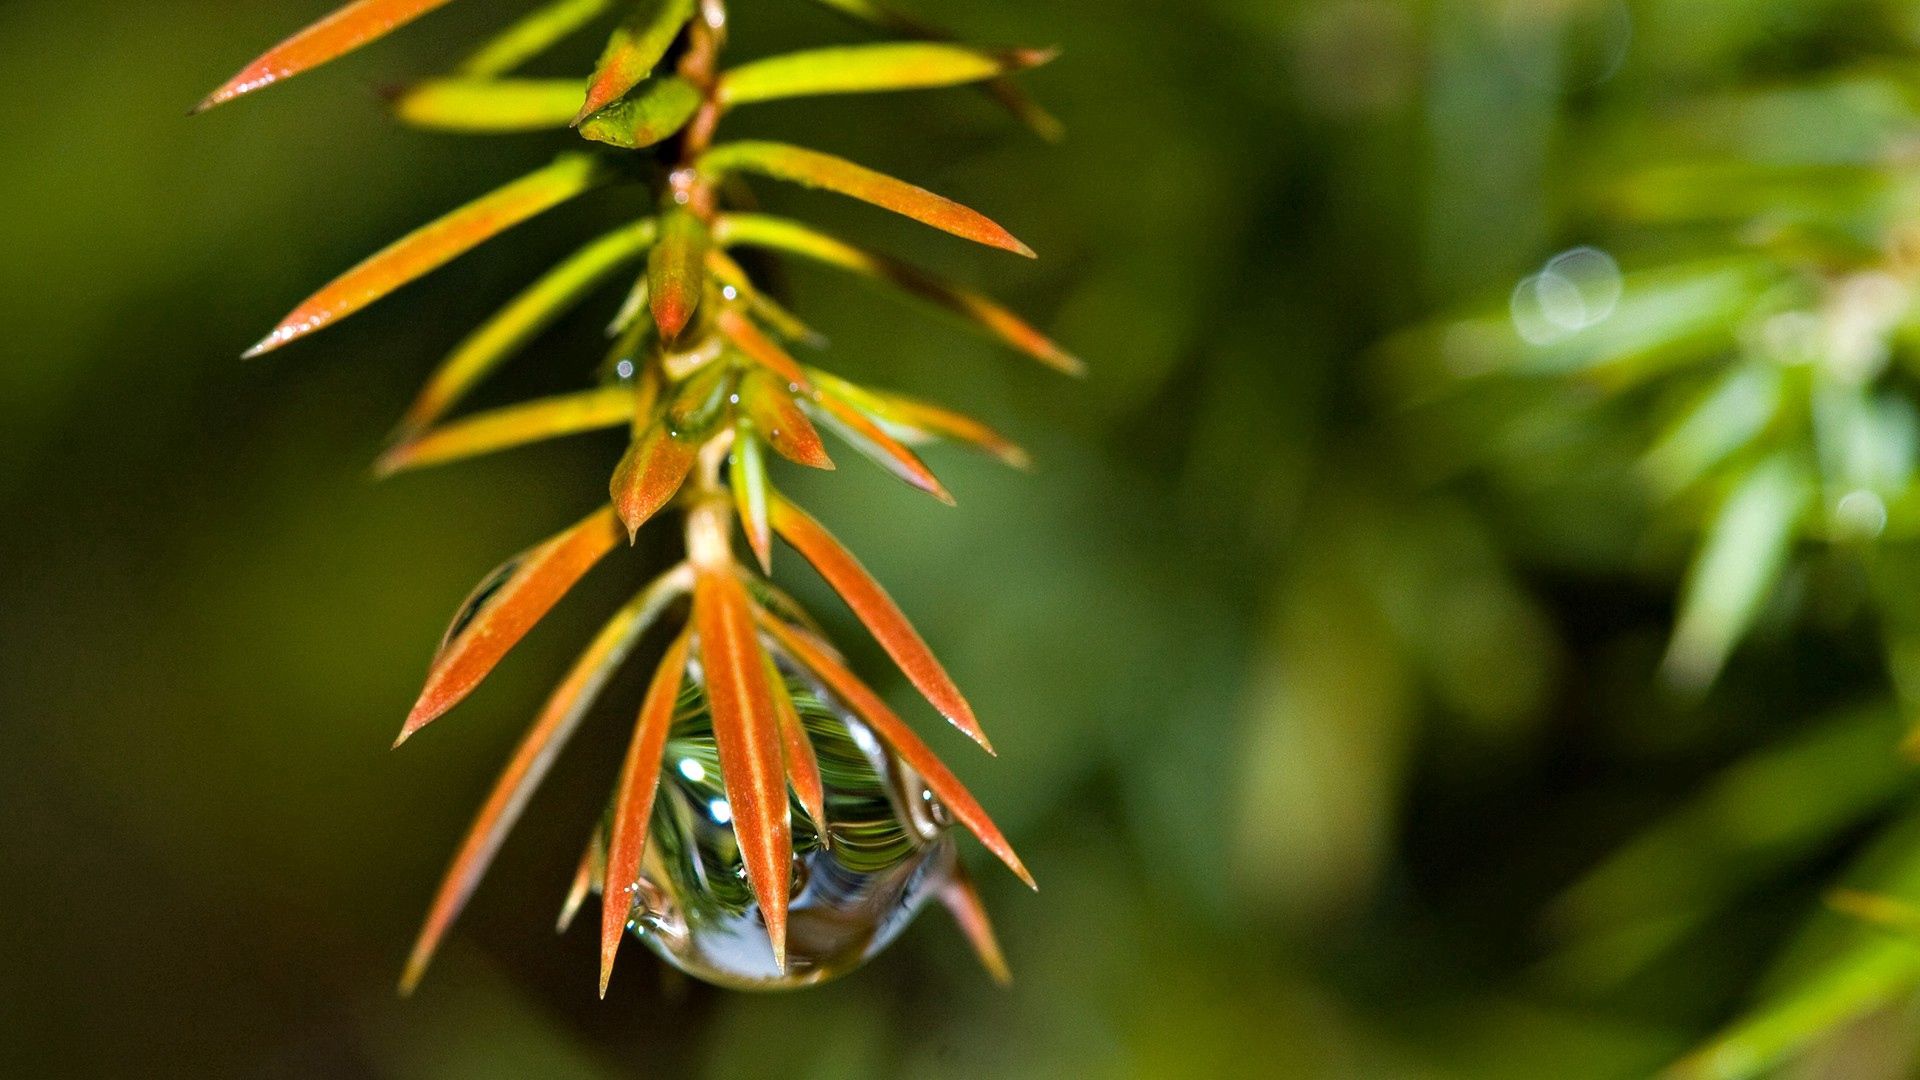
[[710, 513]]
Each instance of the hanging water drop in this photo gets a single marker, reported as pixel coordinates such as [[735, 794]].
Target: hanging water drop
[[886, 852]]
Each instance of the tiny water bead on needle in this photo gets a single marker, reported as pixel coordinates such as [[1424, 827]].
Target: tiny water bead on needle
[[775, 823]]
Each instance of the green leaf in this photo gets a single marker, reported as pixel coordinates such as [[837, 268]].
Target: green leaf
[[1729, 416], [1766, 813], [1011, 97], [1741, 560], [1878, 973], [812, 168], [781, 234], [747, 475], [654, 112], [481, 106], [860, 69], [633, 50], [528, 37], [524, 318], [511, 426]]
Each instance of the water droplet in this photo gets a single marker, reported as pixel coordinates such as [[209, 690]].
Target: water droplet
[[1575, 290], [890, 851], [1861, 513], [477, 601]]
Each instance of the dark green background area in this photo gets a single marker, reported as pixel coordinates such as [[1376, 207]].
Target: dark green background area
[[1301, 744]]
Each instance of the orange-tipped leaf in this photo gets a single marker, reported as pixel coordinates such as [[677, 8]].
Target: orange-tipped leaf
[[859, 429], [914, 421], [778, 418], [761, 349], [803, 765], [895, 733], [963, 902], [746, 731], [530, 761], [781, 234], [676, 271], [812, 168], [650, 474], [340, 33], [877, 612], [633, 803], [633, 50], [501, 611], [592, 868], [434, 245]]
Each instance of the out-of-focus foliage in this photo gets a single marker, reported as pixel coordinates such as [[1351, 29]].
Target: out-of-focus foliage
[[1378, 692]]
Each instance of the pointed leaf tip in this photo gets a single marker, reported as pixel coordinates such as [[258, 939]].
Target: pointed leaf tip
[[676, 271], [504, 607], [778, 418], [969, 912], [811, 168], [633, 50], [882, 449], [781, 234], [345, 30], [746, 732], [878, 613], [649, 476], [531, 760], [650, 114], [592, 867], [894, 731], [875, 68], [803, 765], [633, 803], [434, 245]]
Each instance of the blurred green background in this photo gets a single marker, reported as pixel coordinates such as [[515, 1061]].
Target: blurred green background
[[1326, 648]]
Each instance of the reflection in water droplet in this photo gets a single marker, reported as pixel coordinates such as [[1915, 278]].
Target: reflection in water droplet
[[889, 853], [1861, 514], [477, 601], [1575, 290]]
